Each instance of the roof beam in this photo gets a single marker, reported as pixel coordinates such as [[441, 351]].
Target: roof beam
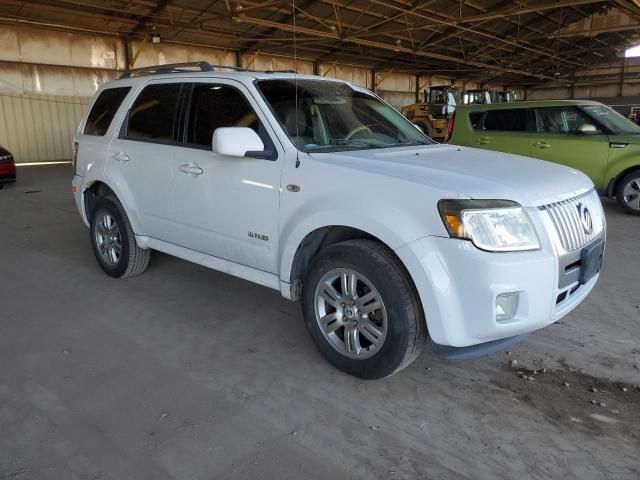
[[510, 12], [384, 46]]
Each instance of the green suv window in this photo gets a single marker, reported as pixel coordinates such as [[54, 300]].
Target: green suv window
[[561, 120], [508, 120]]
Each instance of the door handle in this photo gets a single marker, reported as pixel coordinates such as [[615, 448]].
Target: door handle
[[542, 145], [190, 169], [121, 157]]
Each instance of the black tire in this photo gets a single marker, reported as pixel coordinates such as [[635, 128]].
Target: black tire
[[620, 197], [132, 259], [405, 323]]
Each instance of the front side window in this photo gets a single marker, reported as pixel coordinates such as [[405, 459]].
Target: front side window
[[327, 116], [612, 120], [511, 120], [561, 120], [215, 106], [153, 116], [104, 109]]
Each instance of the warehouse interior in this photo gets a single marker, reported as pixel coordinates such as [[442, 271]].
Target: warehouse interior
[[54, 55], [186, 372]]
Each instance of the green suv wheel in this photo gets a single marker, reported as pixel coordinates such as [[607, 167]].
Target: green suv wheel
[[628, 193]]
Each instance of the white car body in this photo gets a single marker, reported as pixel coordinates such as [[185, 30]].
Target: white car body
[[248, 217]]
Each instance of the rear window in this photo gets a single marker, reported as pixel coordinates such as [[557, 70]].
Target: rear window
[[476, 120], [104, 109], [154, 113], [511, 120]]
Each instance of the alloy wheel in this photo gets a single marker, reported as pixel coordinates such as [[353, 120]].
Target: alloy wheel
[[350, 313], [108, 238]]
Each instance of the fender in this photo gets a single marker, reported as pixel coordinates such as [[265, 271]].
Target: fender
[[124, 196], [372, 218], [628, 159]]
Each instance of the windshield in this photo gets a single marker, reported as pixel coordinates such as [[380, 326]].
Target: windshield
[[611, 119], [333, 116]]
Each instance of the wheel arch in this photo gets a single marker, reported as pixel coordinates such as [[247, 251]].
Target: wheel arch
[[613, 183], [100, 188], [319, 239]]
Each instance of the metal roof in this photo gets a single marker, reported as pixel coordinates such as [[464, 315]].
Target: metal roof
[[506, 42]]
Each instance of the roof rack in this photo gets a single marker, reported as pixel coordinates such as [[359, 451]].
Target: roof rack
[[187, 67]]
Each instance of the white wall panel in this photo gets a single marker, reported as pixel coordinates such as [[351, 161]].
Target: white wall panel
[[398, 99], [396, 82], [359, 75], [22, 78], [159, 53], [275, 62], [40, 46], [37, 128]]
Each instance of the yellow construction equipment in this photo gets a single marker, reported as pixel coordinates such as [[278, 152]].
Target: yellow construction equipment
[[433, 114]]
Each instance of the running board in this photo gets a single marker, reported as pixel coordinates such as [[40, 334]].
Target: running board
[[237, 270]]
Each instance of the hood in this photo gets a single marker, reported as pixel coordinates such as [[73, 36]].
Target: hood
[[469, 172]]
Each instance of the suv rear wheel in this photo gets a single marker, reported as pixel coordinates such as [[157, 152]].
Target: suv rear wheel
[[113, 240], [628, 192], [362, 311]]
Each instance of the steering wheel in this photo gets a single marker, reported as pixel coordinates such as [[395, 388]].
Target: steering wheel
[[359, 128]]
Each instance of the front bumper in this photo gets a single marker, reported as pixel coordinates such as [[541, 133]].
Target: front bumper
[[458, 285]]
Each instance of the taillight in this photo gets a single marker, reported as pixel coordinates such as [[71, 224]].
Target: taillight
[[74, 159], [452, 120]]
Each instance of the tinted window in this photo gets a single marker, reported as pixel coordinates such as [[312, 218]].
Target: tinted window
[[104, 109], [560, 119], [215, 106], [476, 120], [512, 120], [154, 113]]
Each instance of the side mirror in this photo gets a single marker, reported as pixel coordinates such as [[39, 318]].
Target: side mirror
[[238, 142], [587, 128]]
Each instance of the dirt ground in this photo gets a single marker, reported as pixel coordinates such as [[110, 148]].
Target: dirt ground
[[187, 373]]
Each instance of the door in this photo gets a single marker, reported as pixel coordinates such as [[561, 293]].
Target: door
[[559, 139], [142, 156], [505, 130], [227, 206]]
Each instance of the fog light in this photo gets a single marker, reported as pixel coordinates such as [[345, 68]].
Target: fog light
[[507, 306]]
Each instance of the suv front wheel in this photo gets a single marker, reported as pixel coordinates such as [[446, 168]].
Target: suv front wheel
[[362, 311], [113, 241]]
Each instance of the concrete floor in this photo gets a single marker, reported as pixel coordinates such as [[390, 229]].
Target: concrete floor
[[185, 373]]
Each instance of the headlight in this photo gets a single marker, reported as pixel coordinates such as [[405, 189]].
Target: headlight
[[493, 225]]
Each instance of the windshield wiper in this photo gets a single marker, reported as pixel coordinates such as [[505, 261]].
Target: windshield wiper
[[355, 143]]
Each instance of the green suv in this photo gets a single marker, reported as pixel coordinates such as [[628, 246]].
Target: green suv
[[587, 136]]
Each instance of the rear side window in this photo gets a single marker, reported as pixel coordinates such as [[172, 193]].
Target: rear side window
[[511, 120], [154, 114], [214, 106], [104, 109]]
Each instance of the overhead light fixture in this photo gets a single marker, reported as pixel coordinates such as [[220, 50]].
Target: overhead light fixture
[[155, 38]]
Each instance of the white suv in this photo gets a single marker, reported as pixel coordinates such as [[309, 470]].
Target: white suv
[[319, 189]]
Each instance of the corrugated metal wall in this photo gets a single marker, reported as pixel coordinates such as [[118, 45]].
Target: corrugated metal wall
[[37, 128]]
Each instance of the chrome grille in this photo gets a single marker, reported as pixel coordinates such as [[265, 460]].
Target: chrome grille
[[566, 220]]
